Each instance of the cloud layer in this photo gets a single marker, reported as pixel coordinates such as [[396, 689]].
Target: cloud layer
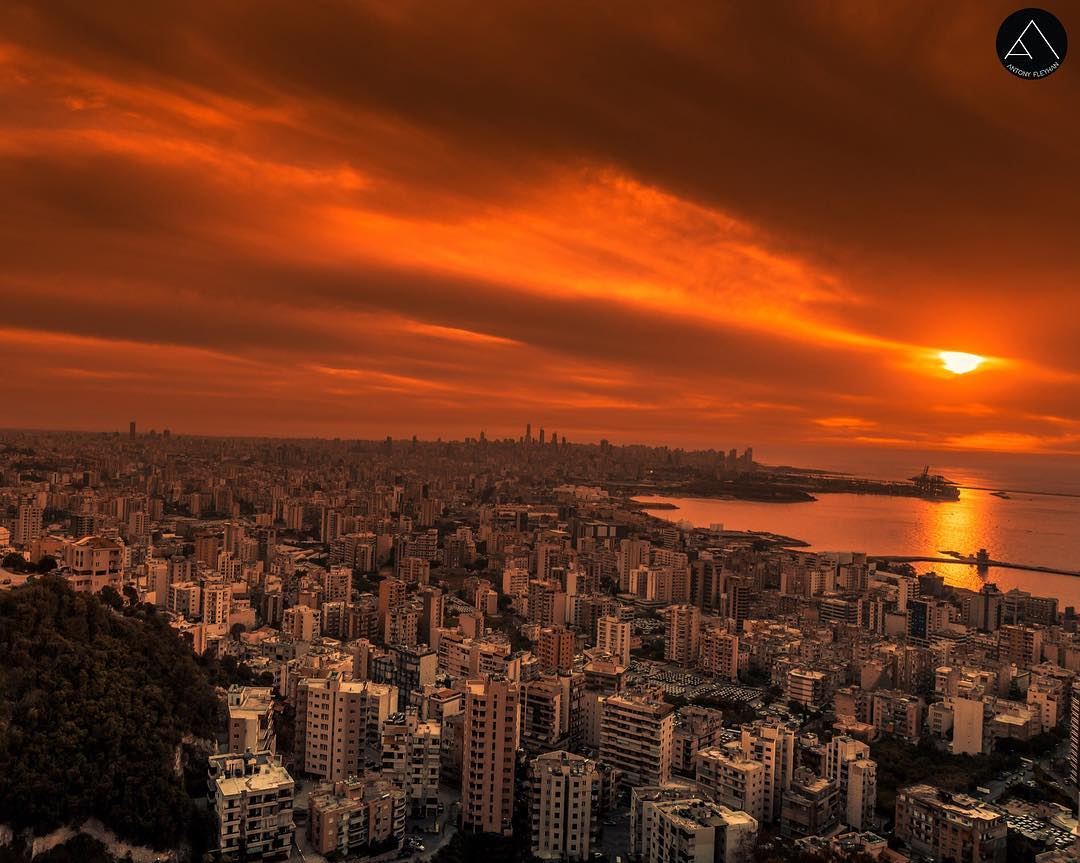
[[706, 225]]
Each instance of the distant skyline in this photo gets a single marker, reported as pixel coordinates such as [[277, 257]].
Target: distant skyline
[[703, 226], [1041, 473]]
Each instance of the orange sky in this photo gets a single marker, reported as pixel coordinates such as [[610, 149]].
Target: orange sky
[[712, 225]]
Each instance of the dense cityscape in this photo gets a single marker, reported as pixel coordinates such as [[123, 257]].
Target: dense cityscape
[[332, 650], [502, 431]]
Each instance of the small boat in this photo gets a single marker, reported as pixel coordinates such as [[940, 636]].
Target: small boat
[[1004, 495]]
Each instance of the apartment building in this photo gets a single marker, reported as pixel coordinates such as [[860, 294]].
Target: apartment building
[[603, 677], [545, 713], [809, 806], [555, 649], [251, 719], [94, 562], [736, 780], [356, 817], [947, 826], [897, 713], [806, 687], [773, 744], [848, 764], [719, 653], [682, 638], [693, 830], [301, 622], [335, 720], [411, 750], [566, 793], [613, 637], [636, 737], [492, 727], [696, 728], [250, 799]]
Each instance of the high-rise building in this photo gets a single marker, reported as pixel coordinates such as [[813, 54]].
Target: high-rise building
[[555, 649], [565, 799], [636, 737], [806, 687], [207, 549], [1020, 644], [696, 728], [632, 554], [391, 595], [545, 713], [897, 713], [432, 612], [515, 581], [251, 803], [773, 744], [411, 750], [492, 730], [251, 720], [683, 635], [157, 579], [968, 733], [414, 570], [547, 603], [603, 677], [738, 591], [336, 584], [849, 766], [719, 653], [216, 601], [737, 780], [409, 668], [336, 720], [986, 609], [613, 636]]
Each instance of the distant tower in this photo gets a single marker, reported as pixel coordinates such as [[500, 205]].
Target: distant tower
[[541, 437], [528, 432], [131, 430]]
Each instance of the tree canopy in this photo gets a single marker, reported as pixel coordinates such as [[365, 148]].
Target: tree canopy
[[95, 706]]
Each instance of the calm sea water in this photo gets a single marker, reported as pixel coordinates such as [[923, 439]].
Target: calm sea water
[[1030, 529]]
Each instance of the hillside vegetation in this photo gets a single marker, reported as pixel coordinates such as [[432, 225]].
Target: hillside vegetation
[[94, 704]]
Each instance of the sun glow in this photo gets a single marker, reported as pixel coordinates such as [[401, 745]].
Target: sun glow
[[960, 363]]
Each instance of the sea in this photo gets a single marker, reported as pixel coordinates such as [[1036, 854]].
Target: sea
[[1025, 528]]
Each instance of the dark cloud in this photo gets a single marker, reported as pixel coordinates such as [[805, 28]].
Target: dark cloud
[[731, 213]]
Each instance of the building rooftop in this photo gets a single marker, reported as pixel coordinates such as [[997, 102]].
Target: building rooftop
[[248, 773], [956, 804]]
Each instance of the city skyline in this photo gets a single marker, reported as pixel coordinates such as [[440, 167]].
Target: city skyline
[[281, 230]]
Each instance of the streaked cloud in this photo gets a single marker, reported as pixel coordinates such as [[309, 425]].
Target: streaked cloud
[[363, 219]]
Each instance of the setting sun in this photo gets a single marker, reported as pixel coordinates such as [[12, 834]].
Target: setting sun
[[960, 363]]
